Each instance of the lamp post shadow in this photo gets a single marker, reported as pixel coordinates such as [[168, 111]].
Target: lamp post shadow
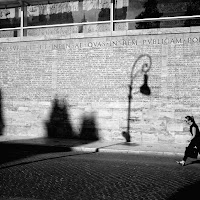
[[144, 89]]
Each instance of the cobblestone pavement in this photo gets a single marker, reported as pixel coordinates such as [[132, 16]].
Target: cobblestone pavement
[[88, 176]]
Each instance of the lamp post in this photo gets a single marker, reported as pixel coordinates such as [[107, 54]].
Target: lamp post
[[144, 89]]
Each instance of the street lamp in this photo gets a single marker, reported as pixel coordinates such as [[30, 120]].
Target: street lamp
[[144, 89]]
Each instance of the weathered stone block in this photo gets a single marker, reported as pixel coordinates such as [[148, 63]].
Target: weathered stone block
[[173, 126], [166, 137], [181, 139], [105, 113], [108, 124], [146, 137]]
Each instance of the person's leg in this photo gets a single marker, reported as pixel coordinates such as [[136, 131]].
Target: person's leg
[[191, 145], [198, 144], [182, 162], [185, 155]]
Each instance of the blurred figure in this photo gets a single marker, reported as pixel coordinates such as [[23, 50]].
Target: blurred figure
[[59, 125], [89, 130]]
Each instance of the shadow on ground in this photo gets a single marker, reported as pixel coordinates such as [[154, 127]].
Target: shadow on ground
[[193, 162], [187, 192], [129, 144], [15, 150], [19, 149]]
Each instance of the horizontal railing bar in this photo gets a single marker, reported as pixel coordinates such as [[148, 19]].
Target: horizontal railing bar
[[104, 22], [61, 25], [10, 29], [157, 19]]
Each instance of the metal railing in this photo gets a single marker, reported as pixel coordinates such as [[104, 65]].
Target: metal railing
[[111, 22]]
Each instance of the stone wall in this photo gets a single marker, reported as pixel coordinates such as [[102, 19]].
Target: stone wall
[[92, 72]]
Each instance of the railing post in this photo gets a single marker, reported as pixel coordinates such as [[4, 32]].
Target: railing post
[[25, 21], [112, 15], [22, 20]]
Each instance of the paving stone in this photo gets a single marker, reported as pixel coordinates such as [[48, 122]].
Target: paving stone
[[86, 176]]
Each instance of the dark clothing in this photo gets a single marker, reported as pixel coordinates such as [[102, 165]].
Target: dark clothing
[[197, 130], [195, 142]]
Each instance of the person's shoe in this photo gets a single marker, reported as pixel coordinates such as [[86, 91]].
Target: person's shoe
[[182, 162]]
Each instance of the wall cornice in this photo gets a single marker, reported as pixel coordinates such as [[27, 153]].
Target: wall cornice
[[160, 31]]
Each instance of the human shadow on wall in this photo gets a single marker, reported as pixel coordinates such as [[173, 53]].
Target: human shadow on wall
[[2, 122], [89, 130], [59, 125]]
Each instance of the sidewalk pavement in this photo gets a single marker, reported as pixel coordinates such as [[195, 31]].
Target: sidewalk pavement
[[98, 146]]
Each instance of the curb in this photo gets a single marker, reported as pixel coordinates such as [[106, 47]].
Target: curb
[[139, 152], [84, 149], [101, 149]]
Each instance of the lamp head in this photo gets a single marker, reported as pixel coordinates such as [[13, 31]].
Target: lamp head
[[144, 89], [145, 68]]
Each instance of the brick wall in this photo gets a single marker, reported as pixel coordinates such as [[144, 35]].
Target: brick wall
[[92, 72]]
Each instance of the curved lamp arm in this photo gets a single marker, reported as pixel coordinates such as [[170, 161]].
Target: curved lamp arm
[[144, 89], [145, 67]]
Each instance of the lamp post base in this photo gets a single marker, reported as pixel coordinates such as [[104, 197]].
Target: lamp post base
[[126, 135]]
